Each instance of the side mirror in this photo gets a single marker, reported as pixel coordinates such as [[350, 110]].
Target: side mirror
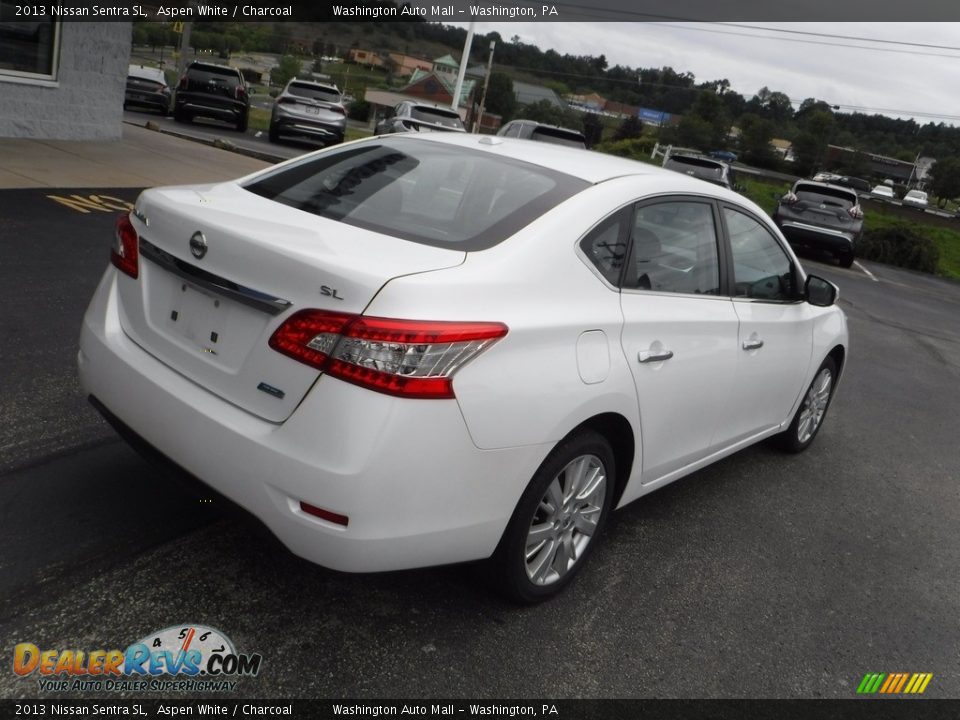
[[820, 292]]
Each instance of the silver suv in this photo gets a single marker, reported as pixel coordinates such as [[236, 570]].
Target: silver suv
[[309, 110]]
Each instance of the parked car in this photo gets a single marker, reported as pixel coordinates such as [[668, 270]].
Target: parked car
[[533, 130], [309, 110], [854, 183], [725, 155], [410, 116], [883, 192], [826, 177], [432, 348], [700, 166], [212, 91], [147, 87], [916, 199], [823, 217]]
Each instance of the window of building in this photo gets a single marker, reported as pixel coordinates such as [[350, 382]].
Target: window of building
[[29, 45]]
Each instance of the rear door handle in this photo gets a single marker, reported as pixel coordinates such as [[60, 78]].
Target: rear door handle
[[752, 344], [649, 356]]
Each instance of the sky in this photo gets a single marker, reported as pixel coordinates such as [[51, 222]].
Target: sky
[[890, 77]]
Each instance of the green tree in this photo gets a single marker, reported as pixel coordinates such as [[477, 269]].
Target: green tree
[[546, 112], [755, 136], [500, 98], [592, 129], [631, 127], [945, 179], [284, 72], [695, 132]]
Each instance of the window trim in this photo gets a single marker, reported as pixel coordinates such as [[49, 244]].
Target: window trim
[[51, 79], [799, 277]]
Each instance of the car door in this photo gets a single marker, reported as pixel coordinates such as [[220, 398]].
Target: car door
[[775, 338], [679, 333]]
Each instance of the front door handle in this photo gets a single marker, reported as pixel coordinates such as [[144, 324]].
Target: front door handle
[[752, 344], [649, 356]]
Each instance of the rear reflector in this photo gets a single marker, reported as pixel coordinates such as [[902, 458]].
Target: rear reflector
[[324, 514], [125, 251], [406, 358]]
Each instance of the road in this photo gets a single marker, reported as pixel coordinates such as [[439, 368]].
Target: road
[[762, 576]]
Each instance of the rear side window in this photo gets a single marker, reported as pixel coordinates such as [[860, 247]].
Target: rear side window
[[421, 191]]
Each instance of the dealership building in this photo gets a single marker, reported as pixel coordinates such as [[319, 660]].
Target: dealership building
[[62, 80]]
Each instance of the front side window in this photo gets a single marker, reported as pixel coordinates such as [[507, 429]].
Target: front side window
[[674, 249], [761, 268], [421, 191], [29, 45]]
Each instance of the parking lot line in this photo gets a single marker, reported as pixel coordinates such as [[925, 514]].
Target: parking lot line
[[867, 272]]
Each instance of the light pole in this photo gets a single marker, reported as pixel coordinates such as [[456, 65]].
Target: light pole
[[455, 102], [486, 83]]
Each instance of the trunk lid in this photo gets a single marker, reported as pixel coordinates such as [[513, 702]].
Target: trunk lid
[[206, 306]]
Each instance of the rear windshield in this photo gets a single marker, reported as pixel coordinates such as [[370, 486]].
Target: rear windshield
[[825, 195], [916, 195], [426, 192], [701, 167], [209, 75], [314, 92], [558, 137], [437, 117]]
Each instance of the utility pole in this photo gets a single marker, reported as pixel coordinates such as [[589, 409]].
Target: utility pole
[[486, 83], [455, 102]]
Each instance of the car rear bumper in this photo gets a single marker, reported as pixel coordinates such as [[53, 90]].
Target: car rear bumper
[[157, 101], [415, 488], [199, 107], [804, 234], [290, 126]]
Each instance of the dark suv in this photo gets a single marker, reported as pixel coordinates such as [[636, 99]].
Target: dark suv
[[212, 91], [533, 130]]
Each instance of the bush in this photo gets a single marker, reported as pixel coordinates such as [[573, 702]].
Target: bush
[[359, 110], [633, 148], [899, 245]]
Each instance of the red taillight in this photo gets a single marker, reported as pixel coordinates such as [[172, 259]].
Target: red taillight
[[338, 109], [240, 93], [125, 251], [182, 85], [406, 358], [789, 199], [324, 514], [855, 212]]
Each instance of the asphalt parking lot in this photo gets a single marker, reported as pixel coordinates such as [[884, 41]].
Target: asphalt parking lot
[[764, 575]]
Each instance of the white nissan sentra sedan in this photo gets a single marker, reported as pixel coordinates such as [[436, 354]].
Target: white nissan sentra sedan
[[434, 348]]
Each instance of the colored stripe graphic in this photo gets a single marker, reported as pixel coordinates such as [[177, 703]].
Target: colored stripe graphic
[[894, 683]]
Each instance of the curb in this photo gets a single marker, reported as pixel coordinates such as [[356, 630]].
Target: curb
[[221, 143]]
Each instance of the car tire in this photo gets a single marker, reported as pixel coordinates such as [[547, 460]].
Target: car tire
[[555, 525], [180, 116], [274, 134], [846, 259], [242, 124], [813, 409]]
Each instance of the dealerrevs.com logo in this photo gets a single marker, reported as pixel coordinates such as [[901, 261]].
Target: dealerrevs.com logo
[[188, 658]]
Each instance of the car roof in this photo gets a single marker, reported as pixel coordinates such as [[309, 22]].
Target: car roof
[[147, 73], [592, 167], [203, 65]]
